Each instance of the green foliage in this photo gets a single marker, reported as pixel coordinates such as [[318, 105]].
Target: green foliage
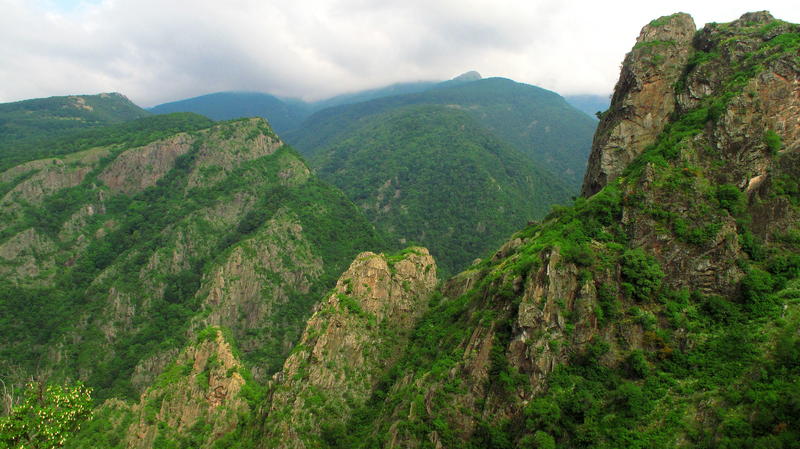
[[350, 304], [752, 245], [756, 288], [731, 199], [48, 415], [536, 122], [641, 275], [543, 440], [431, 174], [661, 21], [773, 141], [129, 134]]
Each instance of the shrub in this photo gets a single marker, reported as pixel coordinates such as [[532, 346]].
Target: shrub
[[773, 141], [543, 440], [756, 288], [641, 274], [636, 365], [730, 198]]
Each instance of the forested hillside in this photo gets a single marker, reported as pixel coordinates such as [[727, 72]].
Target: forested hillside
[[209, 291], [434, 176], [114, 256], [30, 123], [538, 123]]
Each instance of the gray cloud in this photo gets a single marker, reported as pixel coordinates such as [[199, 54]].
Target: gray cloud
[[158, 50]]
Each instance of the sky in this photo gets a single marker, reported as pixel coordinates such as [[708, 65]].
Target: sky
[[156, 51]]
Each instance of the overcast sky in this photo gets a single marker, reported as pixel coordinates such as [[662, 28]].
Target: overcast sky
[[155, 51]]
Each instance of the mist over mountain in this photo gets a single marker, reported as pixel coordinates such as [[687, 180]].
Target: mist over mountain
[[434, 176], [537, 122], [171, 281]]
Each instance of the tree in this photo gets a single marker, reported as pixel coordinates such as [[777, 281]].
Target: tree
[[46, 417]]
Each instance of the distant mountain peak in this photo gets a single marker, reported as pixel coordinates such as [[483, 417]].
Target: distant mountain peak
[[472, 75]]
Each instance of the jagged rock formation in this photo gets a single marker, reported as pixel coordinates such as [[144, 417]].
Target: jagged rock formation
[[640, 316], [122, 253], [202, 386], [200, 398], [354, 336], [643, 98]]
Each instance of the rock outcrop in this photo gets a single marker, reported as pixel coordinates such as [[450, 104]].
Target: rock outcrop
[[202, 386], [689, 219], [643, 99], [354, 336]]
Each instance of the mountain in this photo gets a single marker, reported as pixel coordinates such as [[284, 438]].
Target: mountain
[[588, 104], [113, 258], [371, 94], [434, 176], [661, 309], [286, 114], [537, 122], [282, 115], [28, 123]]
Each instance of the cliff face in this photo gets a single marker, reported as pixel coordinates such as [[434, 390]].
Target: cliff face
[[640, 315], [122, 254], [200, 389], [351, 340], [643, 98]]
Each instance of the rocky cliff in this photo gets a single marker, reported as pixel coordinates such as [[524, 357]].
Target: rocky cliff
[[115, 257], [640, 316], [643, 99], [352, 339], [200, 389]]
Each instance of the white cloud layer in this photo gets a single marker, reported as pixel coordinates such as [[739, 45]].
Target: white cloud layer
[[162, 50]]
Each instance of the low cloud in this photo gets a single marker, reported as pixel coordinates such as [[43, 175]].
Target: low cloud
[[156, 50]]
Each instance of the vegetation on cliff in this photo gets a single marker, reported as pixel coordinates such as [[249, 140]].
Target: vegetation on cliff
[[126, 263], [662, 311]]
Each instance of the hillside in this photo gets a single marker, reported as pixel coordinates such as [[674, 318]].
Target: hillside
[[113, 257], [192, 280], [537, 122], [662, 310], [282, 115], [54, 116], [432, 175]]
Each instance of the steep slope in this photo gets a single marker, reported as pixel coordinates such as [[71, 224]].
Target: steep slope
[[282, 115], [350, 342], [432, 175], [199, 399], [537, 122], [114, 257], [643, 100], [663, 311]]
